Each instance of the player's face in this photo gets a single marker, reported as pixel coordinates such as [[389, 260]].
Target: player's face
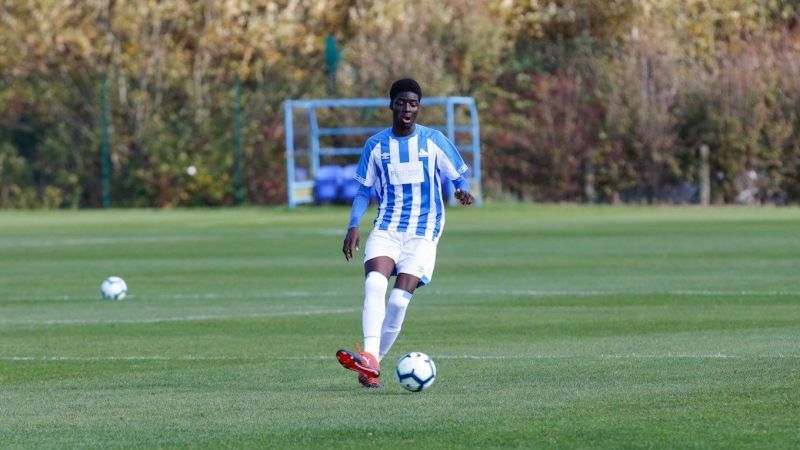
[[404, 111]]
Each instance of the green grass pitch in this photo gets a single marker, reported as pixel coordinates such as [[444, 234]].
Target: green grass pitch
[[551, 327]]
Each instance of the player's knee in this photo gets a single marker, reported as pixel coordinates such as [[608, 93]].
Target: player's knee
[[398, 304], [377, 281]]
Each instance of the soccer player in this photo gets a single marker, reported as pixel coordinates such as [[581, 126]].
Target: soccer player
[[405, 163]]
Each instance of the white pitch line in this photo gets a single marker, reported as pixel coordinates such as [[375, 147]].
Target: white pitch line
[[71, 242], [179, 296], [735, 293], [309, 312], [436, 357], [597, 293]]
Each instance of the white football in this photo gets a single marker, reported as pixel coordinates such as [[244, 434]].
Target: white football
[[114, 288], [416, 371]]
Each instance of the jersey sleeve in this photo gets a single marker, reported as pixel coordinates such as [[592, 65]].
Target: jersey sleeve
[[366, 172], [449, 161], [360, 205]]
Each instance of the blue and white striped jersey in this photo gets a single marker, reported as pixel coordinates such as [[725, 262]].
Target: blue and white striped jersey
[[407, 174]]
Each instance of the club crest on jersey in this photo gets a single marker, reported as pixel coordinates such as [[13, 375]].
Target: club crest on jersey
[[423, 153], [385, 156]]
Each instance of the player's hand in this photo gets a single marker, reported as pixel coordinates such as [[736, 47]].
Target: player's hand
[[351, 242], [464, 197]]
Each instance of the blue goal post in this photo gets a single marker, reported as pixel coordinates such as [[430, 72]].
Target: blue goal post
[[310, 147]]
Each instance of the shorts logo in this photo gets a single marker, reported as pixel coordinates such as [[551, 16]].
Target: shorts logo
[[385, 156]]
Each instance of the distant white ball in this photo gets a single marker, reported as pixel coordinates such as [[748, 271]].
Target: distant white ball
[[191, 170], [113, 288], [416, 371]]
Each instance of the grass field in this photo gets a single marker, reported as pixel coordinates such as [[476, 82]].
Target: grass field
[[551, 326]]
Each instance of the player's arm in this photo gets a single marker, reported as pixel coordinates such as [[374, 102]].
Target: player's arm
[[463, 195], [365, 175], [353, 237]]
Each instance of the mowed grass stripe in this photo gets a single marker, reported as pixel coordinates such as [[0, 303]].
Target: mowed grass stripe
[[307, 312], [576, 403]]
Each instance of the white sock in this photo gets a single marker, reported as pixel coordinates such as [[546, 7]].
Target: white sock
[[374, 310], [396, 312]]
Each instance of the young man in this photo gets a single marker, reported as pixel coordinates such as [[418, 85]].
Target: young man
[[406, 164]]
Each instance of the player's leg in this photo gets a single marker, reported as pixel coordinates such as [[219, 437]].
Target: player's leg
[[376, 281], [379, 253], [415, 268], [396, 311], [377, 272]]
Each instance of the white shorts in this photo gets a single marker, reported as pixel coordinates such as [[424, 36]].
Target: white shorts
[[412, 254]]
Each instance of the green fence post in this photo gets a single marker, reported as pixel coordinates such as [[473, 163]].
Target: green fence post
[[104, 145], [239, 183], [332, 58]]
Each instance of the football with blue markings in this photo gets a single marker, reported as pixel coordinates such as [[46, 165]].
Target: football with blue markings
[[416, 371], [113, 288]]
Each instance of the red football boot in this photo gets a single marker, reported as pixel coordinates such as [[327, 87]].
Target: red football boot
[[362, 362]]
